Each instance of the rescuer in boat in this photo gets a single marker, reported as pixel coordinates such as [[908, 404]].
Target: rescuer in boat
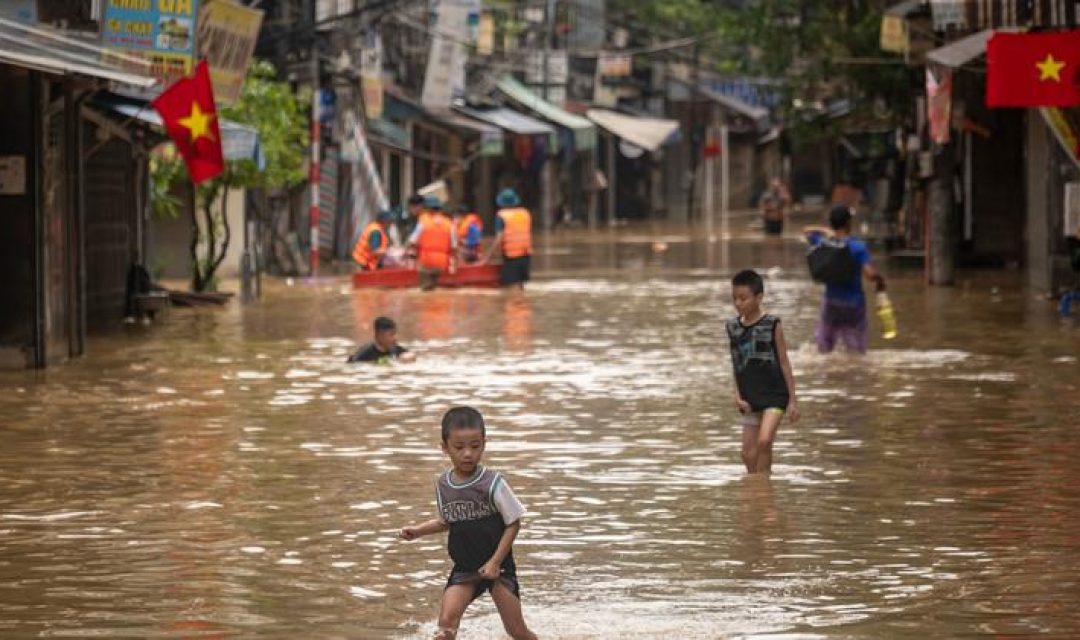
[[513, 237], [435, 242], [470, 230], [374, 242]]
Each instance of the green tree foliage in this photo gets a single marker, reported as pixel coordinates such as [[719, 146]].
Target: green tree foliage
[[280, 117], [818, 52]]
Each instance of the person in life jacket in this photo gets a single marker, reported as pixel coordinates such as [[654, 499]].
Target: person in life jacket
[[843, 309], [374, 241], [470, 230], [435, 242], [513, 237]]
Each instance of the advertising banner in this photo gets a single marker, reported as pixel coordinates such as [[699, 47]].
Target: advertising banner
[[159, 31], [939, 103], [227, 34]]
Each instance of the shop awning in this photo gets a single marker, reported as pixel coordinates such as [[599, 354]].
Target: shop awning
[[758, 115], [491, 137], [648, 133], [960, 52], [238, 142], [509, 120], [63, 53], [584, 130], [389, 131]]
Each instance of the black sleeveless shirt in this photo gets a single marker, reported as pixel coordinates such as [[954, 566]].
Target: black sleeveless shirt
[[476, 526], [757, 363]]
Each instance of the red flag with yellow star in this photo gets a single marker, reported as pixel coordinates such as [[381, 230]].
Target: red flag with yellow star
[[1033, 69], [190, 118]]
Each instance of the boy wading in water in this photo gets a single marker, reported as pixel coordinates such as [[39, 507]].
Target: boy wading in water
[[483, 516], [764, 384]]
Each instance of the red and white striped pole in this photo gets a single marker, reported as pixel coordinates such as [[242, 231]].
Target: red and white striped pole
[[314, 178]]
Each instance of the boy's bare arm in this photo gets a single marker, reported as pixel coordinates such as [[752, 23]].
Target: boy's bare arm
[[423, 529], [872, 274], [789, 375], [490, 570]]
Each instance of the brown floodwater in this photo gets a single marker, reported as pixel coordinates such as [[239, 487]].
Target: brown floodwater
[[226, 474]]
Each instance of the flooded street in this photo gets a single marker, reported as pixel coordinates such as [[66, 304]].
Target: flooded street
[[227, 474]]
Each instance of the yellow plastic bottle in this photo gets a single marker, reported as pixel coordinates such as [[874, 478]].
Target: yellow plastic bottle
[[886, 316]]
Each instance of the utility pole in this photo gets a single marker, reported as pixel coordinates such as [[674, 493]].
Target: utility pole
[[695, 134], [549, 35], [939, 254], [546, 172]]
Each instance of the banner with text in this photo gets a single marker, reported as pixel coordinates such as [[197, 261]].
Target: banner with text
[[161, 32]]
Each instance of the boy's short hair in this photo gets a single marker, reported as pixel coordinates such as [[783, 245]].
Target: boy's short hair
[[840, 217], [382, 323], [749, 278], [460, 418]]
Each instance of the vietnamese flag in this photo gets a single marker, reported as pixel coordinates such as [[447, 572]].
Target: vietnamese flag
[[1033, 69], [190, 117]]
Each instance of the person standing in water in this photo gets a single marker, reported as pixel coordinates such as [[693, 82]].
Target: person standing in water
[[774, 204], [436, 242], [843, 318], [483, 516], [513, 237], [764, 382]]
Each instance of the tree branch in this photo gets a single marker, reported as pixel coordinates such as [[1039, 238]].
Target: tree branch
[[193, 213], [225, 223]]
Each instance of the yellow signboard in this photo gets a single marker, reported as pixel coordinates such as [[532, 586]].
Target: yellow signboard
[[894, 34]]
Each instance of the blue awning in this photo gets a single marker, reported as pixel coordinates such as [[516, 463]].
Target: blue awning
[[509, 120], [238, 141]]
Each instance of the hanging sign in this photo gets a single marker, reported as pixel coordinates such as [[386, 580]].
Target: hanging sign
[[161, 32]]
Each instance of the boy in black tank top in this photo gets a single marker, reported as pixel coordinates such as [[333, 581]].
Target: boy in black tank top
[[764, 383], [483, 516]]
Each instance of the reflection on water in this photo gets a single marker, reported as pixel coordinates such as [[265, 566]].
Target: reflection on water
[[228, 475]]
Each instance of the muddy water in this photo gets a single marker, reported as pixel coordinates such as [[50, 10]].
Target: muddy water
[[227, 475]]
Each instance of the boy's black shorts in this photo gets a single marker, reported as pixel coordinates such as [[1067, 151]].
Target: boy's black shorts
[[480, 586]]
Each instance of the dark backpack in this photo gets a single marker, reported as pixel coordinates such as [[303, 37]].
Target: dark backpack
[[831, 262]]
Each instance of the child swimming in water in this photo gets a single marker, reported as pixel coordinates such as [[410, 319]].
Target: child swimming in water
[[483, 516]]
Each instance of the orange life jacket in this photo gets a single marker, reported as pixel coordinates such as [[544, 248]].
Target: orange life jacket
[[364, 255], [435, 242], [517, 232], [467, 221]]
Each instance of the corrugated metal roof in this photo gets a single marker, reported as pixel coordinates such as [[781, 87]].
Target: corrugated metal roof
[[64, 53]]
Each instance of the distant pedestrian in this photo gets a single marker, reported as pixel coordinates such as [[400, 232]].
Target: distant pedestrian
[[844, 262], [483, 516], [513, 237], [764, 382], [384, 347], [775, 203]]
